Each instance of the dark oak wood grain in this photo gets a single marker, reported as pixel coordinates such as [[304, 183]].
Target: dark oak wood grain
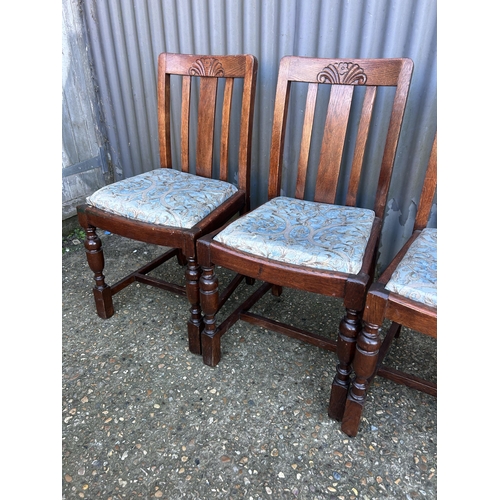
[[342, 78], [209, 70], [382, 304]]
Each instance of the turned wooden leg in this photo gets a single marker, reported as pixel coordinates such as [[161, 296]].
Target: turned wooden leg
[[364, 365], [95, 258], [209, 295], [195, 322], [346, 344]]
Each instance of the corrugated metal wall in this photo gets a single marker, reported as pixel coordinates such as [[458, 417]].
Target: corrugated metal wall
[[126, 37]]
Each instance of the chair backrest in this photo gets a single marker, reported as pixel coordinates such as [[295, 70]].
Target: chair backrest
[[428, 190], [343, 76], [208, 70]]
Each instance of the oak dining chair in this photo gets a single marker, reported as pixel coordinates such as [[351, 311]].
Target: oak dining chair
[[172, 206], [321, 235]]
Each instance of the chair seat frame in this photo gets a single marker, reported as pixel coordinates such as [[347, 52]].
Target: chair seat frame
[[275, 275]]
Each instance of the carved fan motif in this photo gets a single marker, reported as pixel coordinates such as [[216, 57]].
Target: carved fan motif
[[207, 66], [343, 73]]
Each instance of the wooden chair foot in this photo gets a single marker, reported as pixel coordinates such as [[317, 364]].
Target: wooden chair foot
[[104, 302], [210, 349], [194, 337], [351, 418], [338, 396]]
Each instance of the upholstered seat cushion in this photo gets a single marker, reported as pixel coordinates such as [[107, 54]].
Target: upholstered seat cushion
[[416, 275], [315, 235], [163, 196]]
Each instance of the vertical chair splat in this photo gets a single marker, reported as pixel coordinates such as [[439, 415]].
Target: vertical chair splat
[[206, 126], [185, 110], [360, 148], [333, 143], [224, 134]]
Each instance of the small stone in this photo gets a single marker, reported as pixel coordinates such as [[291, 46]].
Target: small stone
[[159, 494], [294, 466], [68, 478], [184, 459], [274, 453], [281, 475], [269, 491]]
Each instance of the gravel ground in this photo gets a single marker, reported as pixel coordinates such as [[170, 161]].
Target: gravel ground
[[142, 417]]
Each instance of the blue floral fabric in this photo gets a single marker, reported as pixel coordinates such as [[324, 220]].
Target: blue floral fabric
[[163, 196], [416, 275], [316, 235]]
